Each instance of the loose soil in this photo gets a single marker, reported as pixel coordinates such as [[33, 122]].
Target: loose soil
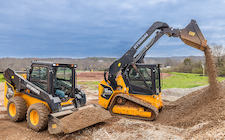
[[205, 105], [84, 118], [211, 70]]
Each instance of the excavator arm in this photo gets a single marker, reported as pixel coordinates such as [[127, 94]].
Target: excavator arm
[[191, 35]]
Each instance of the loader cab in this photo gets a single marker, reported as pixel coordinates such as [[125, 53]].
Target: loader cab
[[64, 80], [54, 78], [144, 79]]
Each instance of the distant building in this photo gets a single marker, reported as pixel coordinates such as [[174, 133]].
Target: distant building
[[167, 67]]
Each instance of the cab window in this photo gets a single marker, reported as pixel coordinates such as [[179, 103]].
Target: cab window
[[39, 77], [136, 79]]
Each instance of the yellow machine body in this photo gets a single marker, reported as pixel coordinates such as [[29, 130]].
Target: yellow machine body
[[119, 109], [154, 100], [29, 100]]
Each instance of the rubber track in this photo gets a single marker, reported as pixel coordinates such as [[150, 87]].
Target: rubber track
[[43, 116], [135, 100]]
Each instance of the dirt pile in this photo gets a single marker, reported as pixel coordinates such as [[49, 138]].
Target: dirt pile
[[84, 118], [205, 105], [194, 108]]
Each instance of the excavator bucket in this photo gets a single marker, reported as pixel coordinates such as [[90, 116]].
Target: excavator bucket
[[77, 119], [192, 36]]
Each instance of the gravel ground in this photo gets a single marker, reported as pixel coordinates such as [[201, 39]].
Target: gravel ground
[[173, 94], [116, 128]]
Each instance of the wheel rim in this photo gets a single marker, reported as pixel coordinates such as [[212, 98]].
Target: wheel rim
[[12, 110], [34, 117]]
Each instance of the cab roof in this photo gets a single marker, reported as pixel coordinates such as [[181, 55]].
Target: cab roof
[[52, 64]]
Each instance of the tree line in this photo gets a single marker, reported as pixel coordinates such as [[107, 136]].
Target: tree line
[[95, 63], [191, 64]]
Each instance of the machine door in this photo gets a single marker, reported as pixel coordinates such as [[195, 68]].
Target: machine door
[[63, 80], [39, 77], [141, 80]]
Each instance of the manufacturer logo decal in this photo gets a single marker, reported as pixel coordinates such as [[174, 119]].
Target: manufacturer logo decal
[[108, 91], [191, 33], [54, 126], [33, 89], [119, 64], [141, 40]]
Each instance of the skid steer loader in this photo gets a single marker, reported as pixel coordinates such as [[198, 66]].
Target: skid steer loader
[[133, 89], [47, 96]]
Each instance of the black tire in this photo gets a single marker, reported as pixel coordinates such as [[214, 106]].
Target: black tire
[[42, 112], [17, 109]]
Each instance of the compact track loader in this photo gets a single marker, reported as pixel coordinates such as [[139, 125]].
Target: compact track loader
[[133, 89], [47, 96]]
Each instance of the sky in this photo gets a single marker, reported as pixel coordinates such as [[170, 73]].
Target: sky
[[100, 28]]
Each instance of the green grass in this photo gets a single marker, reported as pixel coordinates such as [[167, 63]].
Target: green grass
[[185, 80], [93, 85], [79, 71], [2, 78], [176, 80]]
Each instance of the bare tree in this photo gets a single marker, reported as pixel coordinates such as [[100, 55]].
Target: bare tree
[[218, 53]]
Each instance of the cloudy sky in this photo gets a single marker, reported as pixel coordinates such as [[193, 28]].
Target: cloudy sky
[[93, 28]]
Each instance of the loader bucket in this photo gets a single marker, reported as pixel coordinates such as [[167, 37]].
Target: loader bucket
[[81, 118], [192, 36]]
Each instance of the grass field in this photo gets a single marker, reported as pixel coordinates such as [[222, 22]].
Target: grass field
[[185, 80], [1, 78], [93, 85], [176, 80]]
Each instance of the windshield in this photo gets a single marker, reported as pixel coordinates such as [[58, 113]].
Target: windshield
[[136, 79], [63, 79]]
